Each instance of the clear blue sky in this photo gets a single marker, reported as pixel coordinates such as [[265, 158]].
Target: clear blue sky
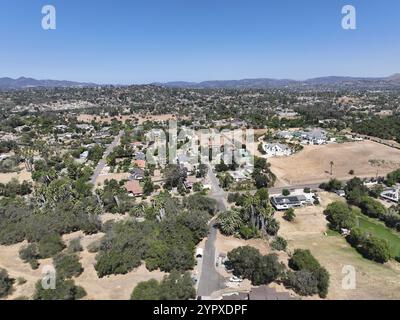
[[123, 41]]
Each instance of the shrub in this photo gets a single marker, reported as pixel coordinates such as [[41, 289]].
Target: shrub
[[67, 266], [75, 245], [6, 283], [65, 290], [303, 282], [279, 244], [30, 254], [285, 192], [175, 286], [369, 246], [50, 245], [289, 215]]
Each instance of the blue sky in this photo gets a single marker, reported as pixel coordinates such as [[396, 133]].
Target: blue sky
[[124, 42]]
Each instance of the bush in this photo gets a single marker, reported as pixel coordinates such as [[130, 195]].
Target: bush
[[310, 277], [285, 192], [175, 286], [372, 208], [247, 262], [247, 232], [303, 260], [67, 266], [279, 244], [146, 290], [369, 246], [6, 283], [65, 290], [30, 254], [340, 216], [50, 245], [303, 282], [272, 227], [75, 245], [289, 215]]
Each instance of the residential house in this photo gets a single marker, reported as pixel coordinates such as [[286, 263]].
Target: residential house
[[276, 150], [316, 136], [391, 195], [296, 200], [137, 174], [140, 163], [134, 188]]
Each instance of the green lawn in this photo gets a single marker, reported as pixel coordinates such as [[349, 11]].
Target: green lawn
[[379, 230]]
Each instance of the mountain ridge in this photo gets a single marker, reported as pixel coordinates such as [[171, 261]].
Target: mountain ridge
[[327, 82]]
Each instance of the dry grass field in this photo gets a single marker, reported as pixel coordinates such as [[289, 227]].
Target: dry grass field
[[312, 165], [373, 280], [115, 287]]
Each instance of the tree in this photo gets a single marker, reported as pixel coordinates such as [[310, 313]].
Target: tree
[[175, 286], [289, 215], [372, 207], [303, 259], [243, 261], [67, 266], [247, 262], [147, 290], [303, 282], [65, 290], [340, 216], [30, 254], [285, 192], [6, 283], [50, 245], [229, 222], [267, 270], [310, 277]]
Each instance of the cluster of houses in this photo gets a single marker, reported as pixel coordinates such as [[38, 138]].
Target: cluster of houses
[[314, 136]]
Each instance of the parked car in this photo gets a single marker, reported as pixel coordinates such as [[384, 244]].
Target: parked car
[[235, 279]]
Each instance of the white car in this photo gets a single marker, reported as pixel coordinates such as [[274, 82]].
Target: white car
[[235, 279]]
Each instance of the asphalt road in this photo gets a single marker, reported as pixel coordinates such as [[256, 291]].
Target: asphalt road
[[102, 163], [210, 279]]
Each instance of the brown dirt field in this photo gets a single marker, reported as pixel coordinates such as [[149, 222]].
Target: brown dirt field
[[109, 176], [225, 244], [373, 280], [23, 175], [312, 165]]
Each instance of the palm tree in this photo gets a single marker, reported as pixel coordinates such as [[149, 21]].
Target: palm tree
[[229, 222]]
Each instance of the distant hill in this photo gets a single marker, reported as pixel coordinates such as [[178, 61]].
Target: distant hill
[[23, 83], [266, 83], [332, 82]]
